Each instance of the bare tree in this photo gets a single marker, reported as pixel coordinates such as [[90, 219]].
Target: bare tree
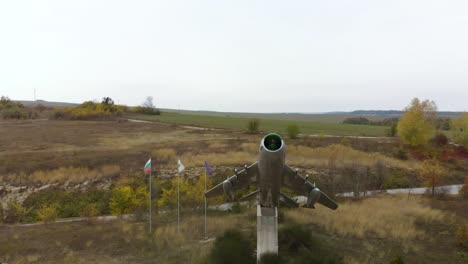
[[107, 101], [148, 103]]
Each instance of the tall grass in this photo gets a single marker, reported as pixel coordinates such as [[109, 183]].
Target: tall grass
[[345, 155], [64, 174], [301, 156], [164, 155], [388, 217]]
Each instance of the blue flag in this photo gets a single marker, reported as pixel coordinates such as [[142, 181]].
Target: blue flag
[[208, 168]]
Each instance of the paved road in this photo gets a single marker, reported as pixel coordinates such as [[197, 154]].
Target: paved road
[[448, 189]]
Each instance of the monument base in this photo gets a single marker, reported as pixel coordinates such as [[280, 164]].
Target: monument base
[[267, 231]]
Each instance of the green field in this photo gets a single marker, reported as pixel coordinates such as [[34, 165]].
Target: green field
[[270, 125]]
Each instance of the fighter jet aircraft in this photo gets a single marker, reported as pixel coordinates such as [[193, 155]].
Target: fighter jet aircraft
[[269, 173]]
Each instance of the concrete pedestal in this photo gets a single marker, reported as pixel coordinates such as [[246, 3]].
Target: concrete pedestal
[[267, 230]]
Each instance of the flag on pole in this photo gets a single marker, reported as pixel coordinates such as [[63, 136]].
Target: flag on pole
[[208, 169], [181, 166], [147, 168]]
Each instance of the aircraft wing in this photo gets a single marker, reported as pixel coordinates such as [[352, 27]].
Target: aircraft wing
[[293, 180], [239, 180]]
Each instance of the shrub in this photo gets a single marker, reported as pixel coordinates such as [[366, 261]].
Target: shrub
[[146, 110], [14, 113], [90, 210], [47, 213], [432, 173], [462, 235], [127, 199], [401, 154], [67, 203], [356, 121], [439, 140], [397, 260], [293, 131], [106, 110], [15, 213], [392, 131], [253, 125], [297, 244], [232, 247], [121, 200], [459, 128], [236, 208], [294, 236], [6, 103]]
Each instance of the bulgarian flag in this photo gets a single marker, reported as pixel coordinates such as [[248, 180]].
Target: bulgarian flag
[[147, 168]]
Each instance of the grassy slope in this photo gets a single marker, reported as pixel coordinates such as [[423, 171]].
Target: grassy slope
[[413, 230], [267, 124]]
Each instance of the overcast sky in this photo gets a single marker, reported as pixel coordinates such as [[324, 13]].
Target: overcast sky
[[245, 56]]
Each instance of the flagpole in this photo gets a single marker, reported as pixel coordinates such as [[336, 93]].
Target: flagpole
[[150, 199], [178, 202], [205, 204]]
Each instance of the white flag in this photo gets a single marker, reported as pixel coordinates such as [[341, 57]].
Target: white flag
[[181, 166]]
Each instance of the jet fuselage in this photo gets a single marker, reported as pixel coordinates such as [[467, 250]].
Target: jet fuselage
[[270, 169]]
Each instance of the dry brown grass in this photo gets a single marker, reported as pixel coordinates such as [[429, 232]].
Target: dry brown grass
[[318, 157], [64, 174], [191, 229], [300, 156], [228, 158], [164, 156], [386, 217]]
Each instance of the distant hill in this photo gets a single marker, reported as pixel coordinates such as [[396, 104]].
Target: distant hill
[[392, 113], [327, 117]]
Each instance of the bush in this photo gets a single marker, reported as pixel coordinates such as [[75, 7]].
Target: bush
[[90, 210], [397, 260], [15, 213], [396, 180], [106, 110], [298, 246], [401, 154], [462, 235], [356, 121], [459, 128], [6, 103], [439, 140], [232, 247], [293, 131], [236, 208], [14, 113], [67, 203], [146, 110], [392, 131], [253, 125], [121, 200], [47, 213], [294, 236]]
